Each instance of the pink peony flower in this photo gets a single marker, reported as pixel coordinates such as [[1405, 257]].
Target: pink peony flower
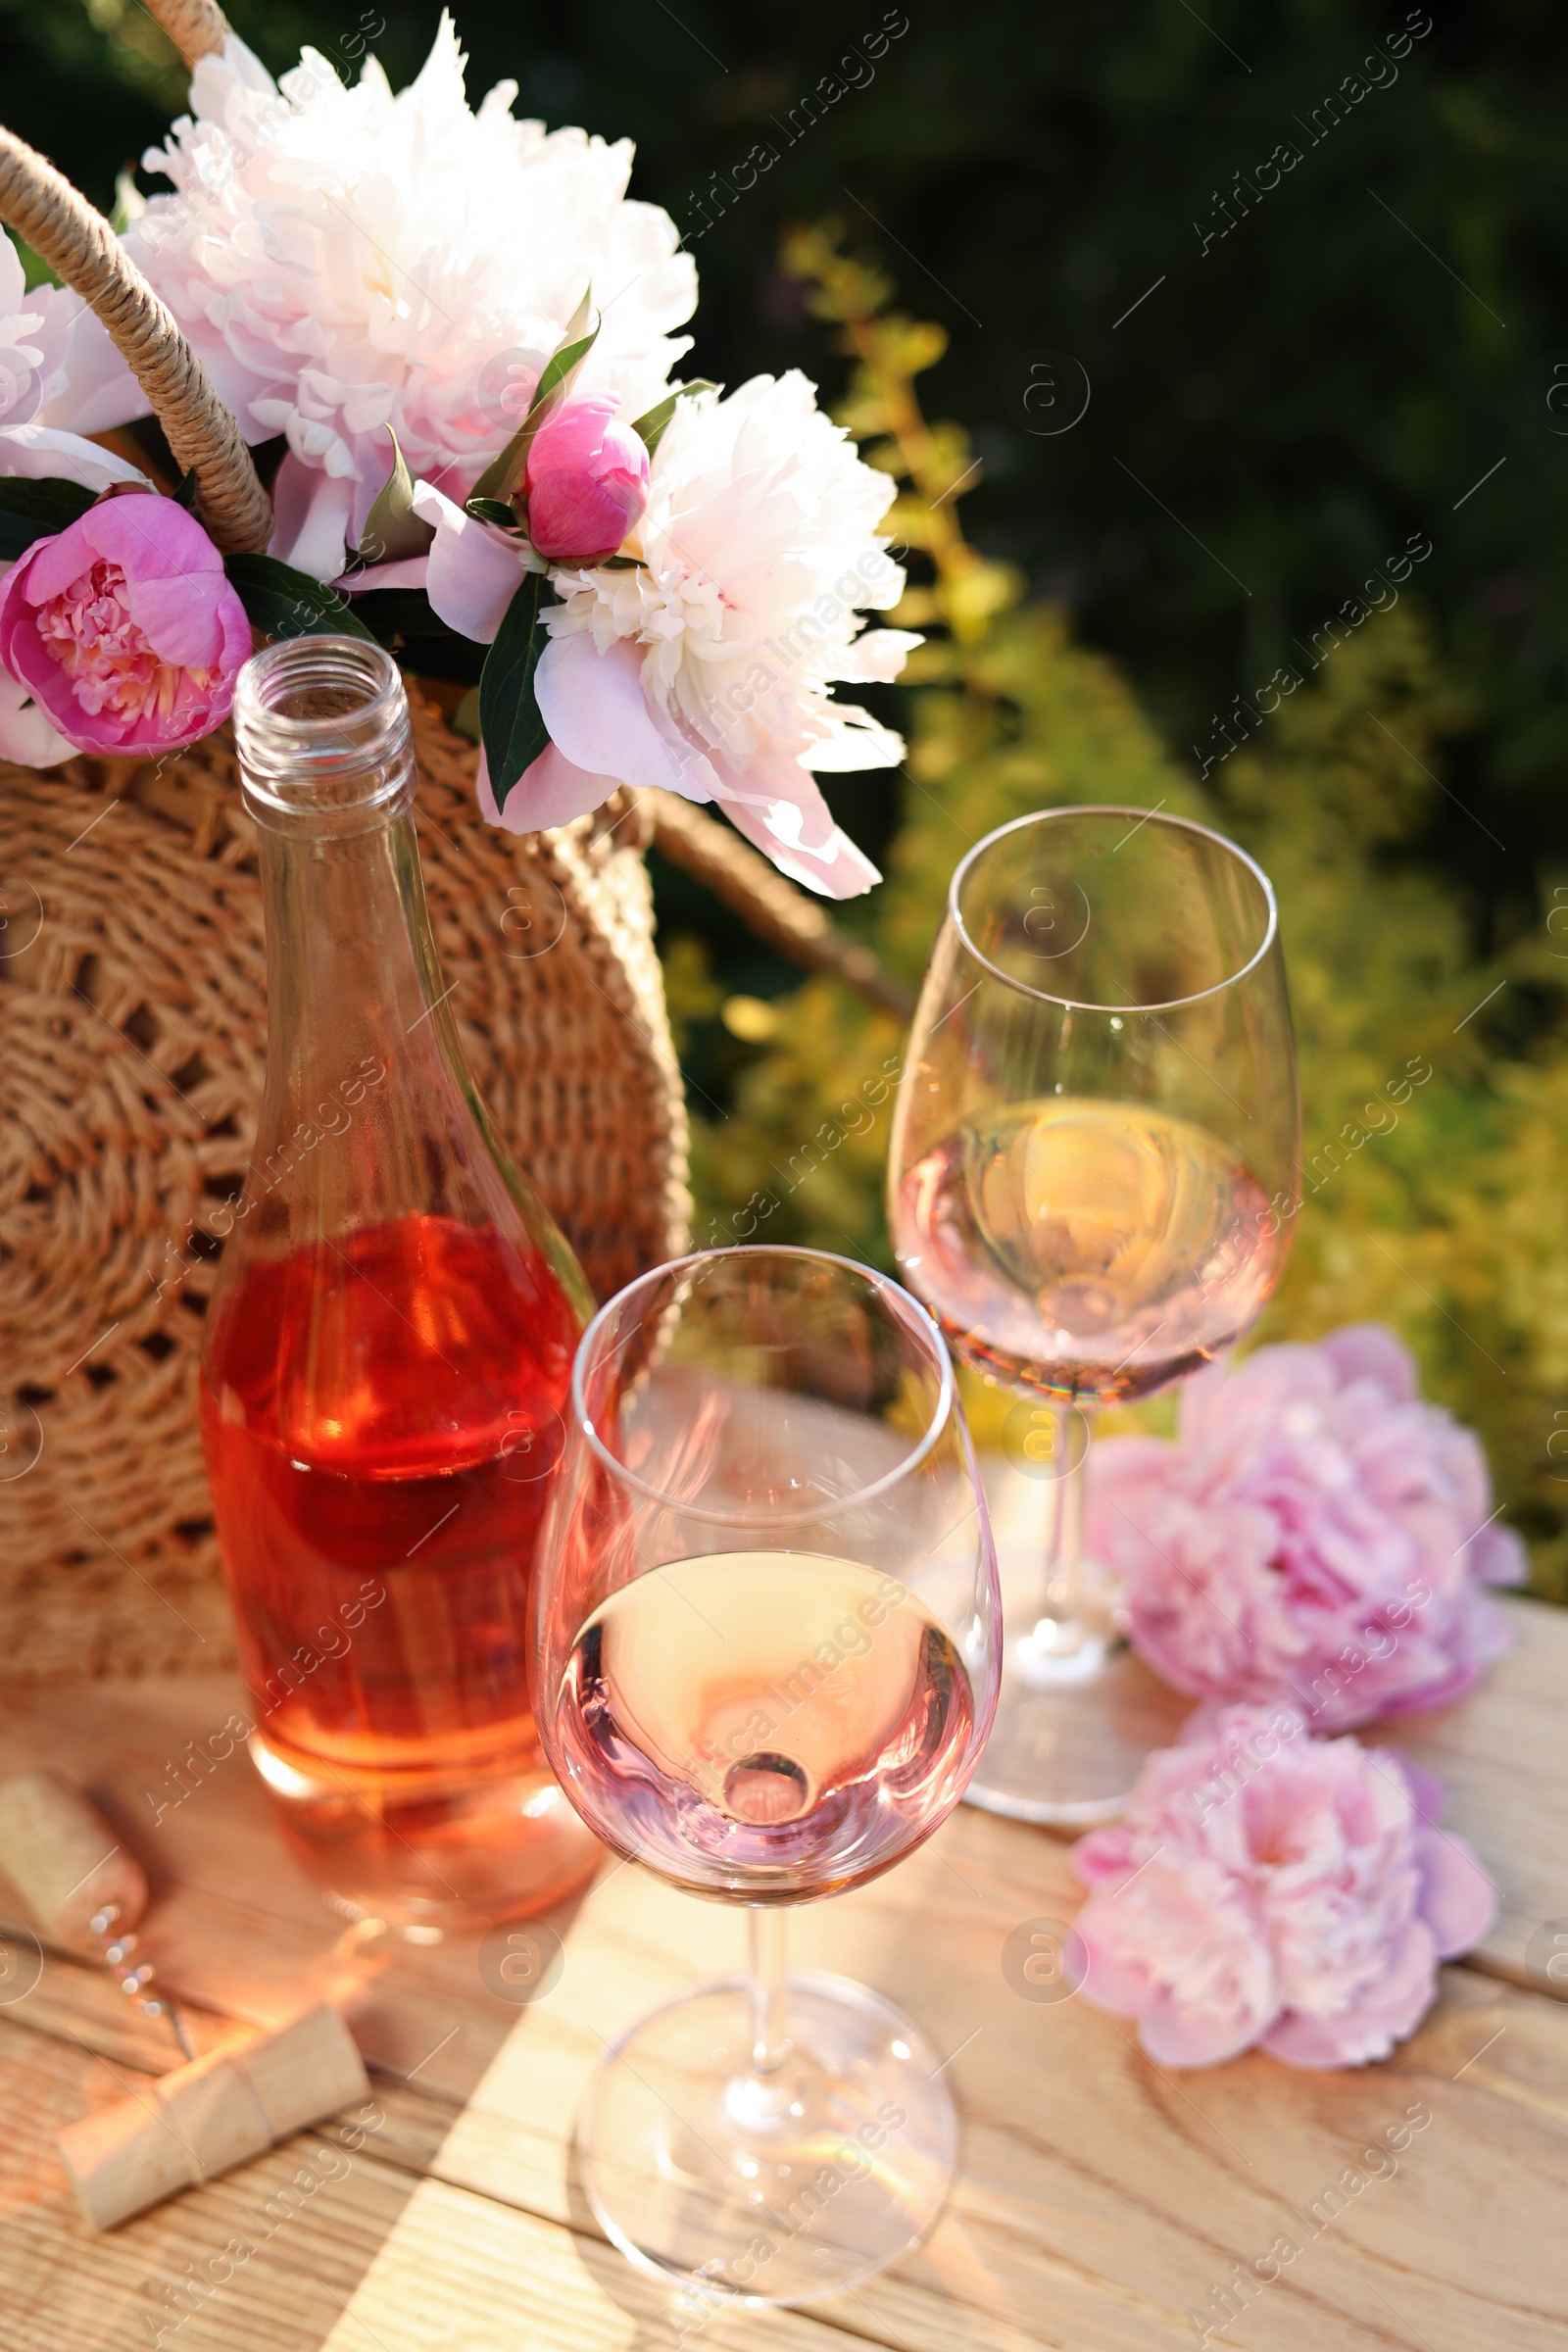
[[587, 482], [123, 628], [1267, 1887], [1317, 1534], [45, 382]]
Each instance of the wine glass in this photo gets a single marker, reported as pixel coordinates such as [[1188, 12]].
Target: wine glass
[[1094, 1165], [768, 1658]]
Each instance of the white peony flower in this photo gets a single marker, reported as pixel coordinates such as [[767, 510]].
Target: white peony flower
[[59, 377], [344, 260], [709, 668], [39, 339]]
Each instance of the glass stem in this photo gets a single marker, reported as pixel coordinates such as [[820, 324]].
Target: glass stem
[[1064, 1538], [766, 1926], [765, 2094], [1058, 1643]]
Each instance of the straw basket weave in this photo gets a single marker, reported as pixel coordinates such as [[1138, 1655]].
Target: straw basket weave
[[133, 1039], [132, 1043]]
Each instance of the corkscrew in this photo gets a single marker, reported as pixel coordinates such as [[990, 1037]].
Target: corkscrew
[[200, 2119], [85, 1892], [117, 1946]]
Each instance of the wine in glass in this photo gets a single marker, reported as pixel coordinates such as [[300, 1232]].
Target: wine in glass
[[767, 1660], [1095, 1158]]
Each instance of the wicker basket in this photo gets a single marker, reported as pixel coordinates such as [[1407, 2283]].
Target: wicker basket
[[133, 1038], [132, 1043]]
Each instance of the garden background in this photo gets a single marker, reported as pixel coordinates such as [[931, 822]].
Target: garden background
[[1326, 437]]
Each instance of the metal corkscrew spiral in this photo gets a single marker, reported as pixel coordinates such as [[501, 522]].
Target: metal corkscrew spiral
[[83, 1888], [197, 2119], [134, 1978]]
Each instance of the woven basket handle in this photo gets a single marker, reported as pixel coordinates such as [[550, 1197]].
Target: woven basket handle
[[43, 207], [800, 927], [195, 26]]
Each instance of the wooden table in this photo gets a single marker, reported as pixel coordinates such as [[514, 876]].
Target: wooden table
[[1101, 2199]]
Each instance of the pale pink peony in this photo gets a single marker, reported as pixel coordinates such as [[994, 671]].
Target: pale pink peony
[[707, 668], [1315, 1533], [1265, 1887], [124, 627], [345, 259], [58, 369], [587, 482]]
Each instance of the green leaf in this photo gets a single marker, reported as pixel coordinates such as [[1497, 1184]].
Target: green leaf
[[36, 506], [562, 369], [511, 726], [493, 510], [502, 472], [286, 603], [623, 564], [393, 614], [652, 426], [185, 495], [392, 529], [560, 373]]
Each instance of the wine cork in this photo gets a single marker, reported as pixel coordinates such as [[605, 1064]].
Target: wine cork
[[204, 2119], [64, 1858]]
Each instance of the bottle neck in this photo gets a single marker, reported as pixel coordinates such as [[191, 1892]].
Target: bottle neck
[[370, 1115], [352, 978], [358, 1036]]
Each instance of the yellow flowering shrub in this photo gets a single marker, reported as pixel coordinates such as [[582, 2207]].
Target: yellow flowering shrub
[[1433, 1148]]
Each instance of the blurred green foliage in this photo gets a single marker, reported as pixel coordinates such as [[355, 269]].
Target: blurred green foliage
[[1436, 1206]]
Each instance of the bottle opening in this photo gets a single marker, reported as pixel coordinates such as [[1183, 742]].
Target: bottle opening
[[321, 725]]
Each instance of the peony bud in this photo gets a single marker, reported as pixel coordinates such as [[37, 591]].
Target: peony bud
[[587, 482]]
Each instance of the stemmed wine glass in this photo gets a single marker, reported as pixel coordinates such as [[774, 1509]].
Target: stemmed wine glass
[[768, 1659], [1094, 1165]]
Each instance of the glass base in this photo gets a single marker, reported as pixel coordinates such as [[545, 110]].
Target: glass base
[[432, 1853], [1078, 1714], [777, 2189]]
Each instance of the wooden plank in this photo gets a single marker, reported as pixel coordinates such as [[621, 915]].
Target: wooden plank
[[459, 2274], [65, 2290], [313, 2244], [1101, 2200], [48, 1992], [1502, 1753], [235, 1924]]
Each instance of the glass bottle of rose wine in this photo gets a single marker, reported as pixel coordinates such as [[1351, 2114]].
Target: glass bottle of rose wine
[[387, 1354]]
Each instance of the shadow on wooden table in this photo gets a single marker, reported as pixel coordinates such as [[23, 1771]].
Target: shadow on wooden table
[[1102, 2199]]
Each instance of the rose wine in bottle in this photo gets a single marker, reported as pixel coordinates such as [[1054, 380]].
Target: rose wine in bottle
[[387, 1353]]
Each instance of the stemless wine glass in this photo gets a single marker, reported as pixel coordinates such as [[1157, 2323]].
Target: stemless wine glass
[[1095, 1159], [768, 1659]]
